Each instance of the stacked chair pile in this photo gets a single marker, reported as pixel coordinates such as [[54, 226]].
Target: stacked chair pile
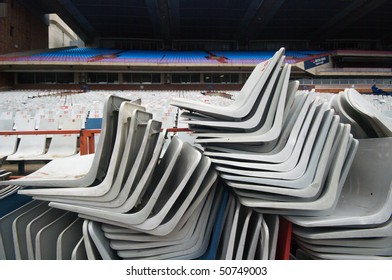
[[286, 153], [6, 190], [365, 119], [360, 226], [275, 151], [283, 151], [128, 191]]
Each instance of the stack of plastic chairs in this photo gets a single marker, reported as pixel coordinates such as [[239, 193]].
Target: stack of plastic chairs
[[364, 118], [280, 151], [139, 190], [297, 160], [6, 191], [244, 234], [360, 225]]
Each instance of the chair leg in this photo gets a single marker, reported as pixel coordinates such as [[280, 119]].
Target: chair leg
[[21, 167]]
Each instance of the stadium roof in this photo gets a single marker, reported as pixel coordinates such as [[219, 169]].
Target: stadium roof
[[238, 20]]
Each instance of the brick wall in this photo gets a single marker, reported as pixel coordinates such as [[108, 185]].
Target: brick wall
[[21, 30]]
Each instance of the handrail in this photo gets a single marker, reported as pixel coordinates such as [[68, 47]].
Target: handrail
[[38, 132], [86, 136], [87, 141]]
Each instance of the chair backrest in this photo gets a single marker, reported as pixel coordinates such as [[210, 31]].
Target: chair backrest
[[48, 124], [24, 124], [70, 124], [6, 124]]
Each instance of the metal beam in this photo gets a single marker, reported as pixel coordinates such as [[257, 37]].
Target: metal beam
[[161, 18], [152, 6], [250, 13], [174, 12], [351, 14], [267, 10], [164, 16]]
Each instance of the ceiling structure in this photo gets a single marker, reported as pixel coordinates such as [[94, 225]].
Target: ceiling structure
[[241, 21]]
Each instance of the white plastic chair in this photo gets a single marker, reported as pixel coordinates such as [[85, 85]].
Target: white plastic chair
[[80, 171], [29, 145]]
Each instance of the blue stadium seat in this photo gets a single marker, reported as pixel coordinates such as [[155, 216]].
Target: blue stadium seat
[[94, 123]]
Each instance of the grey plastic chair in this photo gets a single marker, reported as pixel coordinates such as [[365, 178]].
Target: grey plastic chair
[[270, 130], [326, 201], [127, 239], [19, 226], [8, 190], [381, 230], [329, 256], [253, 237], [7, 251], [46, 239], [342, 107], [310, 191], [282, 161], [124, 239], [249, 123], [176, 176], [79, 252], [308, 159], [295, 166], [127, 110], [68, 239], [173, 200], [247, 97], [139, 148], [197, 244], [277, 151], [101, 242], [240, 244], [92, 252], [367, 193], [134, 188], [273, 226], [384, 251], [380, 122], [372, 242], [34, 227]]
